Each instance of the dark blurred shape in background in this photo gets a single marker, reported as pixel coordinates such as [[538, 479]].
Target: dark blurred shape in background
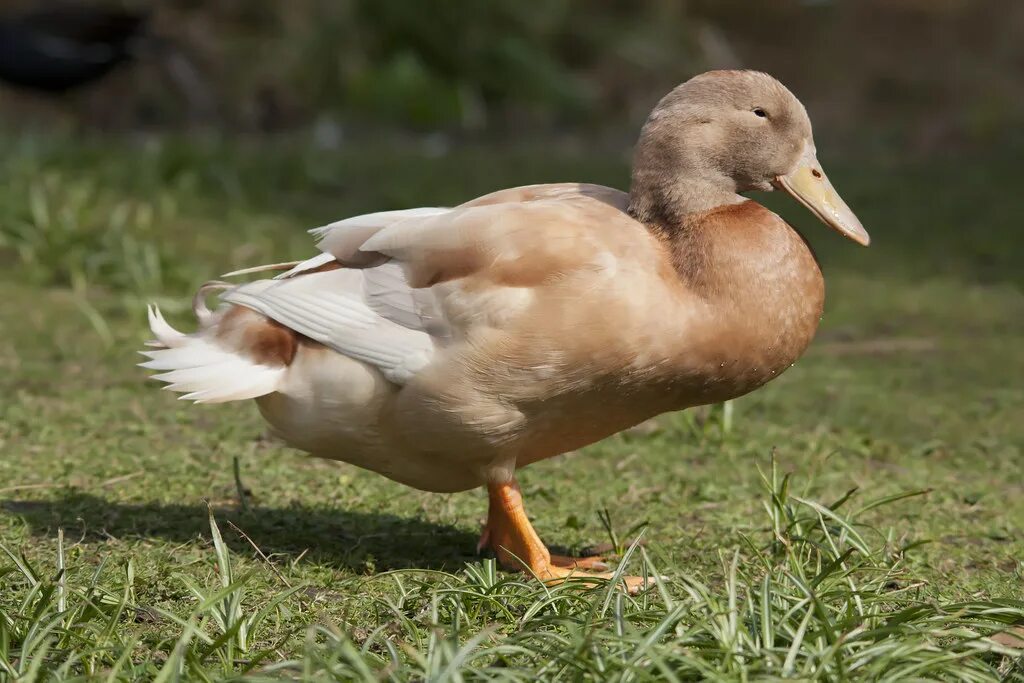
[[938, 72], [63, 46]]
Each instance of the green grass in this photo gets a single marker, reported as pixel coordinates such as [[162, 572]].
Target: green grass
[[112, 565]]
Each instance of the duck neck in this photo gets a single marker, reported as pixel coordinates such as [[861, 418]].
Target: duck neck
[[668, 207], [673, 208], [667, 189]]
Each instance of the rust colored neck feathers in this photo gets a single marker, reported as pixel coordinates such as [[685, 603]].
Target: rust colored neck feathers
[[707, 247]]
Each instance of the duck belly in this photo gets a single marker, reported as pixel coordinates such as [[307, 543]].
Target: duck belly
[[334, 407]]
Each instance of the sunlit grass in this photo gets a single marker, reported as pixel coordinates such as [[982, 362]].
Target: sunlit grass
[[818, 594]]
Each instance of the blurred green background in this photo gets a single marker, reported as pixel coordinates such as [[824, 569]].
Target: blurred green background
[[921, 76]]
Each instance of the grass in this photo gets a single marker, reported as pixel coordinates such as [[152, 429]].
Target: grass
[[132, 547]]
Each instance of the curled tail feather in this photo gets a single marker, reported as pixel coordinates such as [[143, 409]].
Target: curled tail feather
[[202, 312]]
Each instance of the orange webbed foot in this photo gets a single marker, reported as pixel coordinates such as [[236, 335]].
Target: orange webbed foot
[[557, 575], [510, 535], [595, 563]]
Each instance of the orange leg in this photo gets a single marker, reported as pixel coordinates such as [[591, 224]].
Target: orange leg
[[512, 538]]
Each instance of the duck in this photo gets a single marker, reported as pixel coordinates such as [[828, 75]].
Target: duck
[[446, 348]]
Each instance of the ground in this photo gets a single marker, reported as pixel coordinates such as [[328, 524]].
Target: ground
[[911, 387]]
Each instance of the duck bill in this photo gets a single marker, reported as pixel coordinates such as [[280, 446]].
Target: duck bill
[[809, 185]]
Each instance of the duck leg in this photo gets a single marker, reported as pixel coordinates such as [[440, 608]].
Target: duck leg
[[516, 544]]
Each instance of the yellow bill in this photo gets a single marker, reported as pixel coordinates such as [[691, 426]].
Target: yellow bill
[[809, 185]]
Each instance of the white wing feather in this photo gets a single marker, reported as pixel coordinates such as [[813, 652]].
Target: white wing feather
[[344, 239], [388, 293], [331, 307]]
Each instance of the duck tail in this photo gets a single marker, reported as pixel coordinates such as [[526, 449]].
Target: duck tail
[[204, 366]]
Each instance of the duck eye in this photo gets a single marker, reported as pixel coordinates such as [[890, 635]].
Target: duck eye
[[760, 112]]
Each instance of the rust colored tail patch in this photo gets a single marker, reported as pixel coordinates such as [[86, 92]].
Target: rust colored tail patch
[[256, 337]]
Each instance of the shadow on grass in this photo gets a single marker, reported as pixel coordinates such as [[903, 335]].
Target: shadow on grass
[[356, 541]]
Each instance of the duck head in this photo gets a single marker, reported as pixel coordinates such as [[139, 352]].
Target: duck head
[[723, 133]]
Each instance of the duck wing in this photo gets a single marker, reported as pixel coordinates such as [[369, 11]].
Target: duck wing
[[394, 289]]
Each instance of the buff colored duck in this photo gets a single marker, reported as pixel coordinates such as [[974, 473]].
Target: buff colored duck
[[445, 348]]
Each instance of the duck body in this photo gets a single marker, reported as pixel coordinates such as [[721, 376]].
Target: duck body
[[550, 350], [446, 348]]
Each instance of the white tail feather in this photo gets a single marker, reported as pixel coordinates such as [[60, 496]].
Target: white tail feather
[[262, 269], [164, 333], [202, 370], [307, 265]]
